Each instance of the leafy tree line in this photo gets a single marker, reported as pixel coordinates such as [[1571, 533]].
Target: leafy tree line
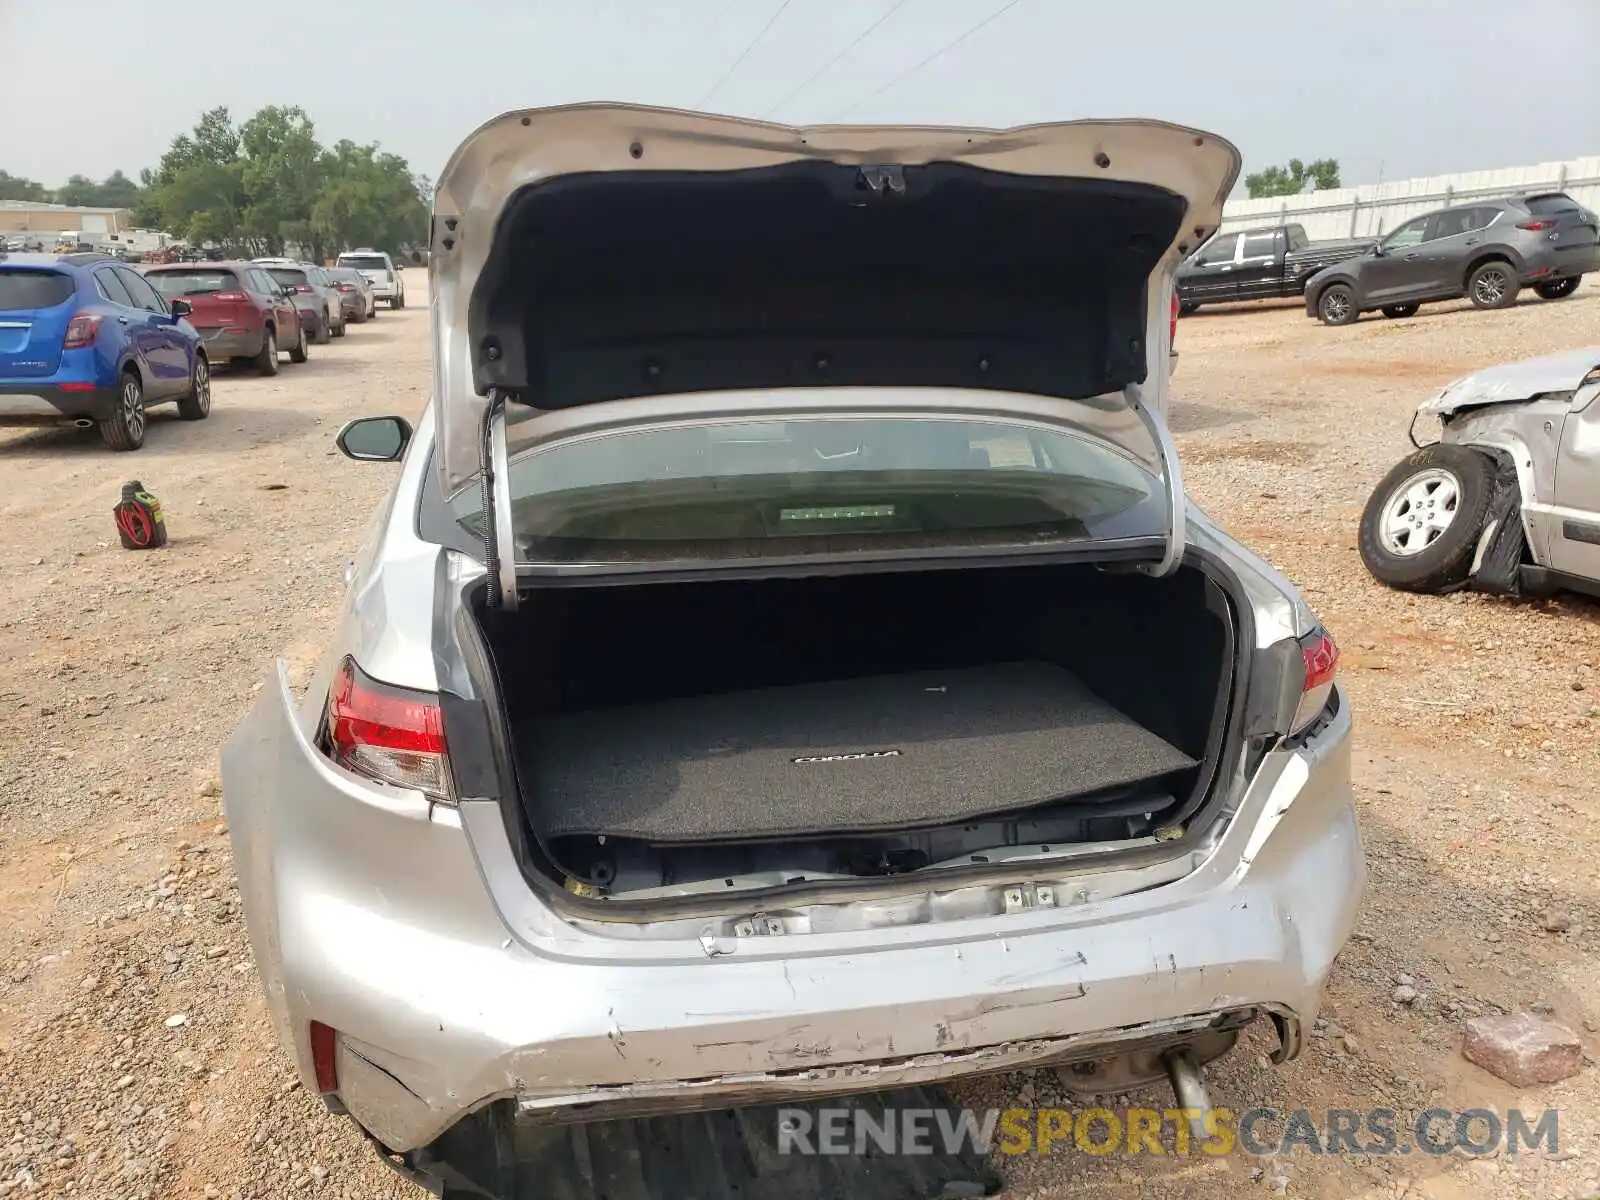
[[261, 187], [1291, 180]]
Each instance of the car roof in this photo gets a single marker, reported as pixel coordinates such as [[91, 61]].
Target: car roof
[[35, 259], [364, 250], [218, 264]]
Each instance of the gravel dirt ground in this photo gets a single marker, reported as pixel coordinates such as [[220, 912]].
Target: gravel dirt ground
[[135, 1060]]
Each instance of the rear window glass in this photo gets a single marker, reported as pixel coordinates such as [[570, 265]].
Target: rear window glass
[[803, 485], [287, 275], [1546, 206], [33, 289], [193, 283], [363, 262]]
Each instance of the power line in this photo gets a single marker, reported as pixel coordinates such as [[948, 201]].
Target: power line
[[937, 54], [745, 53], [832, 62]]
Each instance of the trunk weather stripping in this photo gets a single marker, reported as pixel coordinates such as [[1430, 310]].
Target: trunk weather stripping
[[1176, 508], [499, 544]]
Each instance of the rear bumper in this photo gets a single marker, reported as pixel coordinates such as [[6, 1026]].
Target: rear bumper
[[35, 404], [223, 343], [1546, 265], [406, 928]]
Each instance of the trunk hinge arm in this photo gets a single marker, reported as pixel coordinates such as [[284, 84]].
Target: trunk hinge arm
[[499, 542], [1177, 506]]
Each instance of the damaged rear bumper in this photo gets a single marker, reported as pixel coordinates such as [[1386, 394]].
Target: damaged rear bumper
[[406, 928]]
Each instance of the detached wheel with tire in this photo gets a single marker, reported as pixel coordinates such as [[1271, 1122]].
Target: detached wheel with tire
[[267, 360], [1396, 312], [1336, 305], [196, 406], [1420, 528], [1493, 285], [298, 352], [1558, 289], [124, 428]]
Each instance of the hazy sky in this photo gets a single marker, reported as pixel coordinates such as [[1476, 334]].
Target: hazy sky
[[1408, 87]]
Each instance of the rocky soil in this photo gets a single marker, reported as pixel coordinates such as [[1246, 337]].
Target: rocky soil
[[135, 1060]]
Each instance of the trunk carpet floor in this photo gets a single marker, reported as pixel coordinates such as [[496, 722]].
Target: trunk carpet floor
[[847, 756], [728, 1155]]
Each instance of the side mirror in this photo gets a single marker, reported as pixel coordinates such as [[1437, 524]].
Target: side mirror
[[181, 308], [1377, 250], [375, 439]]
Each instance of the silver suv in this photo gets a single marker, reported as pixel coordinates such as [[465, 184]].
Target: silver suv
[[381, 271]]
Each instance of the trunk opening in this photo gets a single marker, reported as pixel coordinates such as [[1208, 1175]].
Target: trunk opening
[[674, 739]]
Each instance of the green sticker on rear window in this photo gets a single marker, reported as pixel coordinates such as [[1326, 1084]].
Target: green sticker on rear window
[[841, 512]]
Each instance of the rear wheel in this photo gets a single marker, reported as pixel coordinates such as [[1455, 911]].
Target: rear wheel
[[1397, 312], [398, 302], [196, 406], [1493, 285], [338, 330], [322, 336], [124, 428], [1420, 527], [297, 352], [267, 360], [1337, 305], [1557, 290]]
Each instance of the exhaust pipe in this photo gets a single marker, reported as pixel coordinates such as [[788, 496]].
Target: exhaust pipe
[[83, 423], [1188, 1088]]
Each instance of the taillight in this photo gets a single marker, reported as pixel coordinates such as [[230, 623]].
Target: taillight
[[387, 733], [347, 287], [1534, 226], [82, 331], [324, 1056], [233, 297], [1321, 658]]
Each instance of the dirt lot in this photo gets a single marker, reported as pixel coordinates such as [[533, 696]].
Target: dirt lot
[[134, 1057]]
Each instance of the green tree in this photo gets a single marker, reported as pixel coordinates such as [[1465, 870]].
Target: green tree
[[14, 187], [1291, 180], [369, 198]]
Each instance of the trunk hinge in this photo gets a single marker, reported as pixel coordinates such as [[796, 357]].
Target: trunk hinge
[[499, 544], [1177, 509], [1029, 895]]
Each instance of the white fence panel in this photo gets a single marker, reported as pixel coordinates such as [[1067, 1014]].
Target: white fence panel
[[1374, 209]]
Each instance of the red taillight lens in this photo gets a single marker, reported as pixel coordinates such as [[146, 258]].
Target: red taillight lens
[[1534, 226], [387, 733], [82, 331], [303, 288], [1321, 657], [232, 297], [324, 1062], [347, 287]]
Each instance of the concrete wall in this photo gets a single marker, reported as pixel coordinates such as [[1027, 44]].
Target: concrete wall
[[18, 217], [1375, 209]]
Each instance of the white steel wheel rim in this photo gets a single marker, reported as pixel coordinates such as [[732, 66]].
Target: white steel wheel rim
[[1418, 512]]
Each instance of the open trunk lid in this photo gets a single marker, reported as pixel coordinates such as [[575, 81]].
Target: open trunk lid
[[587, 253]]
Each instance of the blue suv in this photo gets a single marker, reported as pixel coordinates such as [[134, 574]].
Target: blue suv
[[86, 341]]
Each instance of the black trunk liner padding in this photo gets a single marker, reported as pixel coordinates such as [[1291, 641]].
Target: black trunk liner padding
[[920, 748]]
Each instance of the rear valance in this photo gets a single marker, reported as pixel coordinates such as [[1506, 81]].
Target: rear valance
[[818, 274]]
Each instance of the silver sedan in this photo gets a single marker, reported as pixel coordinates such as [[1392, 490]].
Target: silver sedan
[[787, 663]]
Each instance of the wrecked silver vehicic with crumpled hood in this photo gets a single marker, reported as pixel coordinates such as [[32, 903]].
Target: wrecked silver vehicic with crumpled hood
[[1507, 500]]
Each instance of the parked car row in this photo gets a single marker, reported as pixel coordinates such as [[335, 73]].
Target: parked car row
[[88, 340], [1486, 252]]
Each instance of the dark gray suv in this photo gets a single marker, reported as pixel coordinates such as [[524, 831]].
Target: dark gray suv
[[1486, 252]]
